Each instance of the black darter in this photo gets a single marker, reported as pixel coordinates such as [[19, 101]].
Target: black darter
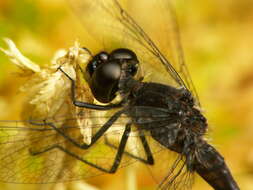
[[146, 117]]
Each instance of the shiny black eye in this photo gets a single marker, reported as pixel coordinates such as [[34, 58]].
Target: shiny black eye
[[108, 72], [133, 69], [98, 59], [104, 81], [123, 54]]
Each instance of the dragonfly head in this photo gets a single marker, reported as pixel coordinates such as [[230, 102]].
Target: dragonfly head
[[105, 71]]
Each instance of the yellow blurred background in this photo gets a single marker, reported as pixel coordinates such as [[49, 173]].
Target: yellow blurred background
[[217, 37]]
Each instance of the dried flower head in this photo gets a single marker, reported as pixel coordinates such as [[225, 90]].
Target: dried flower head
[[49, 89]]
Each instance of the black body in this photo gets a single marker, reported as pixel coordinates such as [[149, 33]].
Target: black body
[[182, 131], [172, 119]]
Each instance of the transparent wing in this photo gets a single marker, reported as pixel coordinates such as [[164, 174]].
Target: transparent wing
[[20, 141], [27, 155], [149, 28], [177, 176]]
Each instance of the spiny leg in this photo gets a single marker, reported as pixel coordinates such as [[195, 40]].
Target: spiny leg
[[116, 161], [94, 138], [149, 157], [85, 104]]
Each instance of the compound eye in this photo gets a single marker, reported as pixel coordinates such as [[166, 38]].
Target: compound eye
[[123, 54], [104, 83], [98, 59], [103, 57], [109, 72], [133, 69]]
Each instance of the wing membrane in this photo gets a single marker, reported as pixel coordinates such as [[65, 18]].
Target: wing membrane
[[155, 38], [19, 140]]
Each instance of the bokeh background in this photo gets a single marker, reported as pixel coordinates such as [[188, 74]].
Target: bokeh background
[[217, 38]]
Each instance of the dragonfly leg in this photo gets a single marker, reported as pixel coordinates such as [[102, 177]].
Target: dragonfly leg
[[116, 161], [85, 104], [149, 157], [94, 138]]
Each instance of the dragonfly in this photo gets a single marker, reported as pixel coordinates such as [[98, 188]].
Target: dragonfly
[[148, 119]]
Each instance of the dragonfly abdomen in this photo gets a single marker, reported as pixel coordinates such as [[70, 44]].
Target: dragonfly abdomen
[[210, 165]]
